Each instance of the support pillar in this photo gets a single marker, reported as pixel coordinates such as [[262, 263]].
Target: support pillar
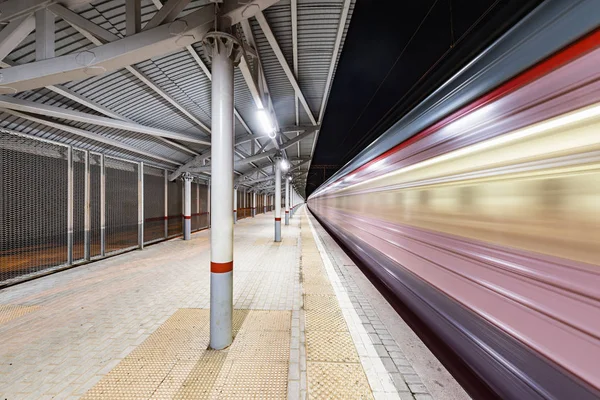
[[225, 51], [234, 205], [287, 200], [278, 199], [253, 204], [264, 203], [187, 206]]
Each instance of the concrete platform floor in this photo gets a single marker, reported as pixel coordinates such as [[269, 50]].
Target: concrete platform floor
[[307, 324]]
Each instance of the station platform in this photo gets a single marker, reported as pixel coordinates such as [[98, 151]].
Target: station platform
[[307, 324]]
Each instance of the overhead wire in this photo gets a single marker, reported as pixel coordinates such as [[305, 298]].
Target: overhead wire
[[367, 136]]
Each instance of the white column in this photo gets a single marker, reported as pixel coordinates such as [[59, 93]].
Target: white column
[[187, 206], [278, 201], [234, 205], [287, 201], [253, 204], [224, 49], [265, 203]]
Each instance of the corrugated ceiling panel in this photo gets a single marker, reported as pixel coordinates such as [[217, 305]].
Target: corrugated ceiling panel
[[182, 78], [317, 28], [282, 92], [179, 76]]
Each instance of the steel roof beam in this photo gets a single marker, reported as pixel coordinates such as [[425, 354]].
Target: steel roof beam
[[334, 56], [264, 25], [133, 17], [89, 135], [99, 36], [295, 56], [14, 9], [167, 13], [259, 93], [200, 159], [94, 33], [44, 34], [78, 116], [266, 178], [14, 33], [76, 97], [123, 52], [250, 159]]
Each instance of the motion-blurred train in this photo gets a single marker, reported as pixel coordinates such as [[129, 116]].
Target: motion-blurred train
[[480, 209]]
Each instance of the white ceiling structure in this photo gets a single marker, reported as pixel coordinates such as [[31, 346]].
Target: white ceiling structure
[[130, 78]]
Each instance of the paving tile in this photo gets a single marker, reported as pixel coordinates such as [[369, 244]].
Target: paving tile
[[93, 326]]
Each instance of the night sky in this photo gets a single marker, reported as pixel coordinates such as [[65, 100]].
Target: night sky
[[395, 54]]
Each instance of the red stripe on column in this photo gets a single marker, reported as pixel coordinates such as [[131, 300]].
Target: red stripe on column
[[187, 217], [287, 212], [220, 268], [277, 219]]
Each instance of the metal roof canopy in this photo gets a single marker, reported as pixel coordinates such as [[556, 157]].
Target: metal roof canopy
[[132, 75]]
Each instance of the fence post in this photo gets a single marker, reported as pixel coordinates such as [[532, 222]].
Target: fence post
[[102, 206], [166, 204], [86, 211], [141, 205], [70, 205]]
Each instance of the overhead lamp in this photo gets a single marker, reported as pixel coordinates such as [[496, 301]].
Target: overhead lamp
[[284, 165], [289, 178], [265, 123]]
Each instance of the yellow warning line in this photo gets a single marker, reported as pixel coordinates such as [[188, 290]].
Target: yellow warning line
[[8, 312], [334, 370]]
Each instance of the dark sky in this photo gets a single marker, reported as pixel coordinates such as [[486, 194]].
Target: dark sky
[[396, 53]]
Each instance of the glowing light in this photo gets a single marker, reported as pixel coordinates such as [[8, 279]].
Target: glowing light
[[284, 165], [265, 123]]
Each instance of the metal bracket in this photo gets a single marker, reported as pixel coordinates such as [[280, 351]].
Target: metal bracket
[[221, 41]]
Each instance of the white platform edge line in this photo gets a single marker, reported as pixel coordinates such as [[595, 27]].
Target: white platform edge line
[[379, 378]]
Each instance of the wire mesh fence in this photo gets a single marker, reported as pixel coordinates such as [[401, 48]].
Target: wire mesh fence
[[175, 208], [95, 167], [33, 206], [154, 204], [204, 216], [60, 206], [79, 182], [121, 185]]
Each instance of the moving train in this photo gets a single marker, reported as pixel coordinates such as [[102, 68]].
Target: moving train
[[480, 209]]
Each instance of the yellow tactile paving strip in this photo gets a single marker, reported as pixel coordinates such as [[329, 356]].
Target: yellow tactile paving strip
[[334, 370], [8, 312], [174, 362]]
